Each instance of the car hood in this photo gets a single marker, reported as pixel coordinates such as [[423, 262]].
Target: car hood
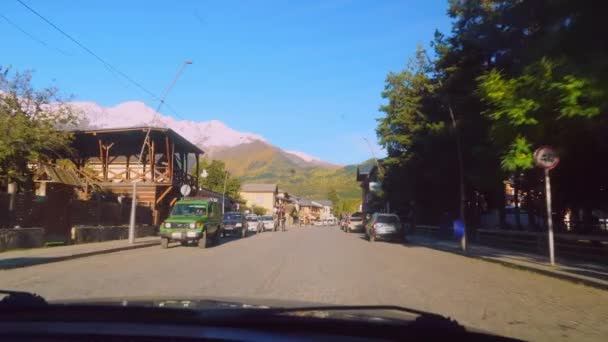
[[295, 308], [246, 308], [233, 221], [368, 313], [185, 219]]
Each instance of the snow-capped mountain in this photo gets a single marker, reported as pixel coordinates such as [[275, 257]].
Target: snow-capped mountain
[[304, 156], [210, 135], [207, 134]]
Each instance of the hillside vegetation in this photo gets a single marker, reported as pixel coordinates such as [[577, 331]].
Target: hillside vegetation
[[258, 162]]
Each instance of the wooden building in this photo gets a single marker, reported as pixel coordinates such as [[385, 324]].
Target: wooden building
[[109, 159]]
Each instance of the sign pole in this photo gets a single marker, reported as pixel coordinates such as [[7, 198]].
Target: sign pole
[[546, 158], [549, 217]]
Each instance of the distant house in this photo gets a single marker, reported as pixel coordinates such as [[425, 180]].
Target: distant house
[[326, 211], [366, 175], [309, 210], [261, 195]]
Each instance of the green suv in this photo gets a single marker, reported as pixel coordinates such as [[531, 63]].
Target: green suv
[[197, 220]]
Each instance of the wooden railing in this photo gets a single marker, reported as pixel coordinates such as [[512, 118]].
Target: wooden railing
[[160, 175]]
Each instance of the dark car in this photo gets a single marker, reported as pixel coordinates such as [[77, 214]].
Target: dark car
[[384, 227], [234, 223]]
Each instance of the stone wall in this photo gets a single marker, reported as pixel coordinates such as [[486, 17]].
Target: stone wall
[[86, 234], [21, 238]]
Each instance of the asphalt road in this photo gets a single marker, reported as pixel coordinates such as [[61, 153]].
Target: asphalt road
[[323, 264]]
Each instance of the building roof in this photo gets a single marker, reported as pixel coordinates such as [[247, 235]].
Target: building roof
[[254, 187], [308, 203], [316, 204], [128, 141], [365, 171], [54, 174], [305, 202], [325, 203]]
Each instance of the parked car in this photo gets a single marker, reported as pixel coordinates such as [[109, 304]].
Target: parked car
[[254, 224], [317, 223], [354, 224], [192, 220], [234, 223], [267, 222], [384, 227]]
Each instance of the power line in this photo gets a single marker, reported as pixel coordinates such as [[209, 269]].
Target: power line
[[96, 56], [32, 37]]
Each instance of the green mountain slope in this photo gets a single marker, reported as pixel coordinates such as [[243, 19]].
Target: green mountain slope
[[258, 162]]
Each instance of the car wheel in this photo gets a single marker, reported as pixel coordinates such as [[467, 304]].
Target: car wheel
[[164, 243], [216, 237], [202, 242]]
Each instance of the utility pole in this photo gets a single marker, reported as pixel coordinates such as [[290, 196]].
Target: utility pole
[[224, 193], [141, 153], [463, 196], [132, 218], [371, 150]]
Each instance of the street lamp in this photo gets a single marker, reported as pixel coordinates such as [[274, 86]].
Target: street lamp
[[371, 150]]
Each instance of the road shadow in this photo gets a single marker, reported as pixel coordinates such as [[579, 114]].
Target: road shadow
[[404, 243], [228, 238], [18, 262], [566, 269], [7, 264]]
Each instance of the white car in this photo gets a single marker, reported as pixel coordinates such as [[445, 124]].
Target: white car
[[253, 223], [267, 222]]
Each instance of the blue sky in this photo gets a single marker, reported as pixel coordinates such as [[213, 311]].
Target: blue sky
[[307, 75]]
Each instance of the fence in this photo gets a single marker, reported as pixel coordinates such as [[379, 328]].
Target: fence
[[58, 212], [575, 246]]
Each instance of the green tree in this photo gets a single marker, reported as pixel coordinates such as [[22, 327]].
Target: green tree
[[333, 196], [216, 175], [34, 125], [258, 210], [516, 75]]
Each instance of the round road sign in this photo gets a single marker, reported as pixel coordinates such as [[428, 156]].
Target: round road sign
[[185, 190], [546, 157]]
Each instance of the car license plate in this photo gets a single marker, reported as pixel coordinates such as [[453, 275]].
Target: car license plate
[[191, 234], [176, 235], [229, 227]]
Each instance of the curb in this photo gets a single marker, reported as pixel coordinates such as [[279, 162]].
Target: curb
[[40, 261], [564, 277]]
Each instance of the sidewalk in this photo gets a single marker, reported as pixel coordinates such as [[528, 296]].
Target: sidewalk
[[590, 274], [37, 256]]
